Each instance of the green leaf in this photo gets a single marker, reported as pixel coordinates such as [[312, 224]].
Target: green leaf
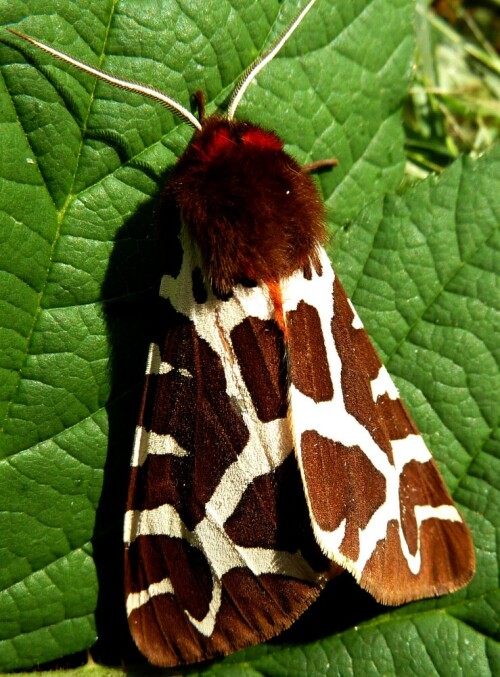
[[81, 167]]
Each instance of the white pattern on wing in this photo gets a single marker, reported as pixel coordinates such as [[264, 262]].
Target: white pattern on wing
[[138, 599], [356, 320], [148, 442], [383, 384]]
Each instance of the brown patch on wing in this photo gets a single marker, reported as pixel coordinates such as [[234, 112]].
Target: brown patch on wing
[[360, 365], [309, 370], [153, 558], [419, 484], [258, 345], [273, 514], [269, 602], [397, 420], [447, 564], [168, 479], [342, 484]]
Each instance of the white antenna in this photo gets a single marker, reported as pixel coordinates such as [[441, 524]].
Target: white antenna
[[129, 85], [153, 93], [262, 61]]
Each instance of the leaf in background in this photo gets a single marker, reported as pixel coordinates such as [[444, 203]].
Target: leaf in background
[[81, 166]]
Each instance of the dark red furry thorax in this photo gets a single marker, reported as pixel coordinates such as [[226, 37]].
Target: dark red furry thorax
[[254, 213]]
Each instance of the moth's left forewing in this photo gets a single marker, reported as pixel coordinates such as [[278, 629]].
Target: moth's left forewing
[[377, 502], [219, 550]]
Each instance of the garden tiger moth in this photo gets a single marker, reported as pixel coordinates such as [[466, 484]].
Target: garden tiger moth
[[230, 535]]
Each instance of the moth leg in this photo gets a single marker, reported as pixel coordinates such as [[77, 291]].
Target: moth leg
[[319, 165]]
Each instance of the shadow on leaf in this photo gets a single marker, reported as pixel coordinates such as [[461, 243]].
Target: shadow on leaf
[[130, 293]]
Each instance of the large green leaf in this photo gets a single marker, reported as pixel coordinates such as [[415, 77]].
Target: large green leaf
[[81, 166]]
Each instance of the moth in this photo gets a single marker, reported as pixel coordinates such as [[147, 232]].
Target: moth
[[273, 450]]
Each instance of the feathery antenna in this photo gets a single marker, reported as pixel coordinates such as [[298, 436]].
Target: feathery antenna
[[262, 61], [155, 94], [129, 85]]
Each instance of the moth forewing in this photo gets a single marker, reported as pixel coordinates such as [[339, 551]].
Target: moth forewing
[[386, 510]]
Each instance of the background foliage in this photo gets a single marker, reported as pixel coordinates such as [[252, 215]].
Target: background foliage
[[81, 167]]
